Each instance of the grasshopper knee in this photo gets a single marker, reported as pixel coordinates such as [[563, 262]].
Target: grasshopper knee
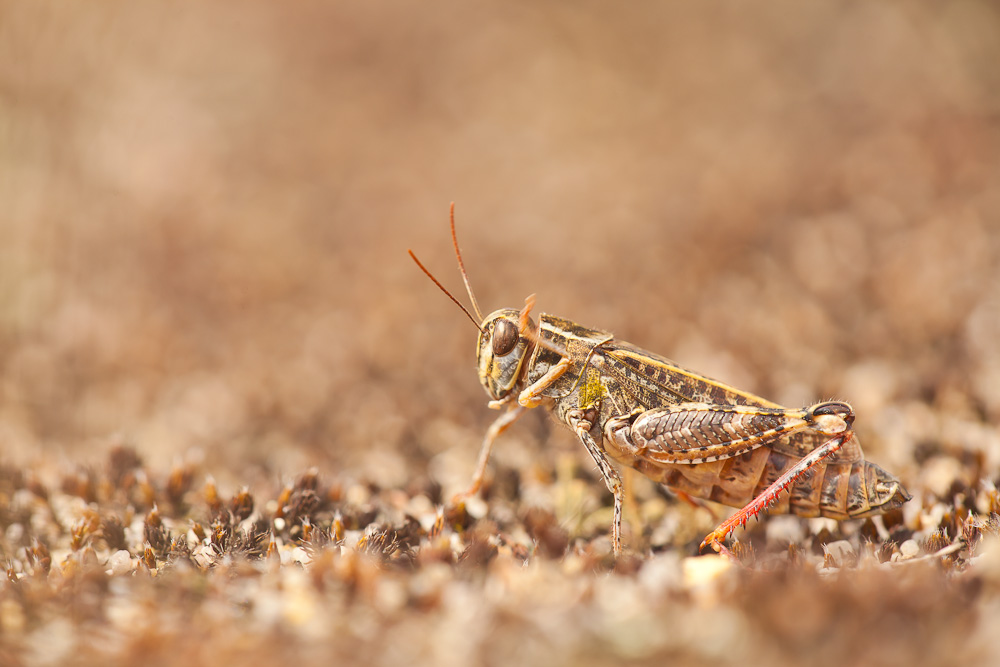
[[830, 417], [617, 432]]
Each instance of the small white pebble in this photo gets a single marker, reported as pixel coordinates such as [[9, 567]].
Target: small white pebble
[[120, 563], [476, 507], [357, 494], [419, 505], [940, 472], [987, 563], [841, 551], [702, 576], [665, 572], [300, 555]]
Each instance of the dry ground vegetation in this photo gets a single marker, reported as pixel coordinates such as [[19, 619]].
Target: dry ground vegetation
[[232, 413]]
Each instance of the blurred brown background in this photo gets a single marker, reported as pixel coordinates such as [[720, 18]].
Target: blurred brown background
[[206, 210]]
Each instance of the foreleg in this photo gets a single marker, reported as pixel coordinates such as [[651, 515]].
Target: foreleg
[[499, 425]]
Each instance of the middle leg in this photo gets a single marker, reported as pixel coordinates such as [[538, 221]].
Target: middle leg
[[581, 426]]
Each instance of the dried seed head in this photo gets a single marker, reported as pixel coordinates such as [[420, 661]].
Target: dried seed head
[[155, 534], [386, 544], [337, 528], [272, 550], [221, 533], [937, 541], [458, 517], [41, 557], [301, 505], [212, 495], [80, 484], [744, 553], [480, 547], [178, 484], [113, 532], [543, 527], [308, 480], [149, 558], [283, 499], [241, 505], [122, 460], [145, 494], [85, 530], [37, 488]]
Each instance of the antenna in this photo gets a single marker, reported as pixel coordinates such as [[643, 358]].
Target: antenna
[[461, 266], [441, 287]]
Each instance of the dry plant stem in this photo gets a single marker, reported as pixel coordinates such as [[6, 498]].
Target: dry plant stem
[[940, 553]]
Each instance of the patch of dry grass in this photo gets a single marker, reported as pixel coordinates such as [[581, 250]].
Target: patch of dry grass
[[121, 562]]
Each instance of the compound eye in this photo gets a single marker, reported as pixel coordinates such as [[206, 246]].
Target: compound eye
[[504, 338]]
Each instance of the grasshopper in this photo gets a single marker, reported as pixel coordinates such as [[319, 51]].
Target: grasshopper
[[700, 437]]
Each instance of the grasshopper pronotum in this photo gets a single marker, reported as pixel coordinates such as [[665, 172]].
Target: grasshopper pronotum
[[700, 437]]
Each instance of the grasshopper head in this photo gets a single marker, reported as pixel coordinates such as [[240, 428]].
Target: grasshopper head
[[502, 351], [505, 337]]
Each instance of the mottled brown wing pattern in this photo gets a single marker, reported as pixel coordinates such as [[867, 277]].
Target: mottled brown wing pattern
[[653, 381]]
